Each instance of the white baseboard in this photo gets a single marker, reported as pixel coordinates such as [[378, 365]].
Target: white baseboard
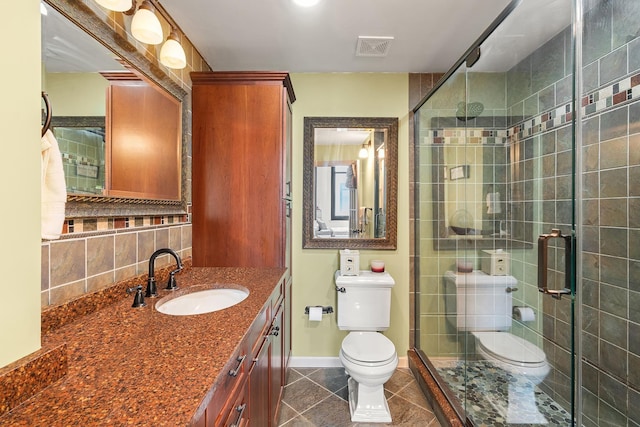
[[329, 362]]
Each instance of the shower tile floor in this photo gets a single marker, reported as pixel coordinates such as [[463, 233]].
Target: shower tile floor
[[318, 397], [496, 398]]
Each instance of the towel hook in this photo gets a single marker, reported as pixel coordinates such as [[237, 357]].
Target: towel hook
[[47, 117]]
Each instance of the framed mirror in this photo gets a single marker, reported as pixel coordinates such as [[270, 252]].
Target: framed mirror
[[88, 72], [350, 181]]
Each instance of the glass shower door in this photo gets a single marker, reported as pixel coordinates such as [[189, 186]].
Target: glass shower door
[[495, 143]]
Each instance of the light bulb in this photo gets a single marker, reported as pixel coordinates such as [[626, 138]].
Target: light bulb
[[145, 25], [116, 5], [172, 54], [364, 152]]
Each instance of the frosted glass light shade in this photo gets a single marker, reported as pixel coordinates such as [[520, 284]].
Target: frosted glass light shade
[[145, 25], [306, 3], [364, 153], [172, 54], [116, 5]]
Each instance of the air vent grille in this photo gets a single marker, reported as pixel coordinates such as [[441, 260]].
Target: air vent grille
[[373, 46]]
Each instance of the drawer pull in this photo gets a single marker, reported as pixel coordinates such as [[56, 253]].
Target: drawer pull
[[236, 371], [275, 331], [240, 409]]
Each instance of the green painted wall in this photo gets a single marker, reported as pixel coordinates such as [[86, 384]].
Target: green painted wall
[[20, 181], [363, 95]]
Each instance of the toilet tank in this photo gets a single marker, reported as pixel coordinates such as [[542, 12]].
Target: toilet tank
[[478, 302], [365, 304]]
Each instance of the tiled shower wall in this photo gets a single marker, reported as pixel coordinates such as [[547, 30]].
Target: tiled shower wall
[[82, 147], [97, 252], [610, 328]]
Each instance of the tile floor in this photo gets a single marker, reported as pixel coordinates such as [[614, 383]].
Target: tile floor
[[318, 397]]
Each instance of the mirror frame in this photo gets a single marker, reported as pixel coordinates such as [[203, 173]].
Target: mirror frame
[[390, 124], [84, 206]]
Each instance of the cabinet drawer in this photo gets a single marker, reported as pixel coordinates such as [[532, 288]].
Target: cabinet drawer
[[235, 373], [236, 412]]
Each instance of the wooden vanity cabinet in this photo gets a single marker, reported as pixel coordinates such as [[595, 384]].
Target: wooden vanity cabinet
[[250, 390], [241, 172]]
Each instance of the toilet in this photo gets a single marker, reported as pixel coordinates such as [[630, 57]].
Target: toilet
[[482, 304], [369, 358]]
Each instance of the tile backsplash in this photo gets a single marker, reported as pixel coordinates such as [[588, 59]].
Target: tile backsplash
[[74, 266]]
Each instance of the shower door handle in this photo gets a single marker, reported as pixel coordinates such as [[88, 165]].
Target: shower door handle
[[543, 250]]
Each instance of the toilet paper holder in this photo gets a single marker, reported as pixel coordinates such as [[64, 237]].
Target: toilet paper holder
[[325, 309]]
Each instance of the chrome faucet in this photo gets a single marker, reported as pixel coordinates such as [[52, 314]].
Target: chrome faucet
[[151, 281]]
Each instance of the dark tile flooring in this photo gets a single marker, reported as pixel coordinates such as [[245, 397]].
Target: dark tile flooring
[[318, 397]]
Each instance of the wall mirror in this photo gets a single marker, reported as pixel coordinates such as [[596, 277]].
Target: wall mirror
[[350, 182], [117, 118]]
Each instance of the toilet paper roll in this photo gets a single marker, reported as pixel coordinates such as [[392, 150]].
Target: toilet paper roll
[[315, 314], [524, 314]]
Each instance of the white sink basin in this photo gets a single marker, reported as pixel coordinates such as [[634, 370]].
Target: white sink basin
[[201, 302]]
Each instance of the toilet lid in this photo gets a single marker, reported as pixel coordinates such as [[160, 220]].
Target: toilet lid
[[368, 347], [510, 348]]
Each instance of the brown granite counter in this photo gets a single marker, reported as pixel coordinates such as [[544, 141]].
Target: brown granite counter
[[137, 366]]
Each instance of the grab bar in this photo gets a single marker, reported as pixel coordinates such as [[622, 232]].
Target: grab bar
[[543, 250]]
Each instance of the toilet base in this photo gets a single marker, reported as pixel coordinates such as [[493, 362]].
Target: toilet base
[[368, 404]]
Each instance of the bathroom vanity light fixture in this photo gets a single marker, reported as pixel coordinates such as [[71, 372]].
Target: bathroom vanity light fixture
[[116, 5], [145, 25], [172, 54], [364, 151]]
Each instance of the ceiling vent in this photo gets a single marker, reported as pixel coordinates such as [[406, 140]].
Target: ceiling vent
[[373, 46]]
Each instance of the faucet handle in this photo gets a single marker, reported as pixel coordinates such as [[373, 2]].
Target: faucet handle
[[172, 284], [138, 299]]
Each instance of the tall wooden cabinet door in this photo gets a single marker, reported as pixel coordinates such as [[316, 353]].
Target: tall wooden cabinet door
[[288, 185], [238, 169], [141, 142]]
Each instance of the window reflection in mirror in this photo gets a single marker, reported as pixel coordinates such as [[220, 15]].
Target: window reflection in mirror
[[350, 182]]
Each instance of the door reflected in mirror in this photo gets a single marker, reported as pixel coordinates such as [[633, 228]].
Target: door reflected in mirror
[[350, 182]]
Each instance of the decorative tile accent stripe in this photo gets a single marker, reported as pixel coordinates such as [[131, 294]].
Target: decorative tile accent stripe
[[87, 225], [627, 89], [458, 135]]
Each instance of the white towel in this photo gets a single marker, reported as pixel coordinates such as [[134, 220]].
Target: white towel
[[53, 188]]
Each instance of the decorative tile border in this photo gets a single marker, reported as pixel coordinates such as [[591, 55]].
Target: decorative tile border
[[75, 226], [625, 90], [459, 135]]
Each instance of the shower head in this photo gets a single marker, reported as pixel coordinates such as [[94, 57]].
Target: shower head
[[469, 110]]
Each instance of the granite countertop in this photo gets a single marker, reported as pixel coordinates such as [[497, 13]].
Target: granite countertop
[[137, 366]]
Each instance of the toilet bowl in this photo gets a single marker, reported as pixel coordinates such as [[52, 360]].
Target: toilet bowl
[[370, 359], [523, 360], [513, 354]]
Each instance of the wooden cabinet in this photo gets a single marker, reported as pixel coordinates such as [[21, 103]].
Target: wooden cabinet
[[250, 390], [143, 135], [241, 186]]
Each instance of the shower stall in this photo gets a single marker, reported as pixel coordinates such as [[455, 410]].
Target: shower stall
[[527, 172]]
